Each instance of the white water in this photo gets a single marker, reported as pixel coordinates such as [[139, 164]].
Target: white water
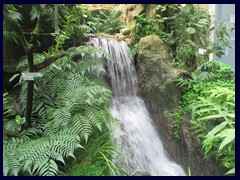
[[139, 138]]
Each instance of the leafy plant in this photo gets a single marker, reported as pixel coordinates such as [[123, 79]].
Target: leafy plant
[[9, 34], [67, 107], [222, 36], [210, 98], [108, 22], [146, 26], [190, 26], [217, 114], [8, 109], [176, 115], [39, 156], [96, 159], [218, 70]]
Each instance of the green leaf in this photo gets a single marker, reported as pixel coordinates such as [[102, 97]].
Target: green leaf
[[229, 138], [18, 119], [13, 77], [186, 9], [203, 21], [231, 115], [5, 171], [217, 128], [191, 30], [231, 171], [219, 54], [211, 117]]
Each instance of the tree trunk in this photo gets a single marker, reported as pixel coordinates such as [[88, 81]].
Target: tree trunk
[[29, 90], [29, 103], [56, 18]]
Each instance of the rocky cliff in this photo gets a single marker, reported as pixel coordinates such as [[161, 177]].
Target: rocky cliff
[[161, 95]]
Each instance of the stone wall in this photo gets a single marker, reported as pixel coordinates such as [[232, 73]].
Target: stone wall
[[160, 95]]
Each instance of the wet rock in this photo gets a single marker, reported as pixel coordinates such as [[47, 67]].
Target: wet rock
[[129, 41], [125, 31], [141, 173], [121, 37], [155, 73]]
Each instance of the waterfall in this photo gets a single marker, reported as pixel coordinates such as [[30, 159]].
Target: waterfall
[[139, 137]]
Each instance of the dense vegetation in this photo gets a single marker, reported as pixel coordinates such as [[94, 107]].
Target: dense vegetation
[[66, 127], [210, 98], [209, 95], [67, 107], [185, 30]]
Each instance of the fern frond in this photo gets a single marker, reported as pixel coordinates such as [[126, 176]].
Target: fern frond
[[94, 118], [8, 109], [60, 118], [37, 156], [34, 13], [82, 126]]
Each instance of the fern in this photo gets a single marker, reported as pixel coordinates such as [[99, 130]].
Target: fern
[[37, 156], [214, 121], [66, 108], [34, 13], [8, 109]]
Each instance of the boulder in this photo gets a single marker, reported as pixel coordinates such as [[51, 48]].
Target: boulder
[[155, 73], [121, 37], [125, 31], [129, 42]]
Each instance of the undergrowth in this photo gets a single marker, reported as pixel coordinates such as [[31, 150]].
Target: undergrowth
[[209, 96]]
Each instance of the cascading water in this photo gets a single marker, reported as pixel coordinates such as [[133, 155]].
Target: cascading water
[[139, 136]]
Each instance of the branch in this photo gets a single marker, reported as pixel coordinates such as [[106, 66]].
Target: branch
[[49, 61]]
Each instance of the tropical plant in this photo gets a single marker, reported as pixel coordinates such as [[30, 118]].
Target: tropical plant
[[8, 109], [108, 22], [214, 121], [222, 38], [190, 26], [210, 98], [96, 159], [9, 34], [146, 26], [218, 70], [67, 106]]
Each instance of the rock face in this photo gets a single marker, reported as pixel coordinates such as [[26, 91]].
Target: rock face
[[154, 73]]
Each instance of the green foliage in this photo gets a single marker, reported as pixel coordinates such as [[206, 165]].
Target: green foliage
[[96, 159], [67, 107], [185, 30], [190, 28], [134, 49], [87, 170], [12, 121], [39, 157], [176, 115], [34, 13], [9, 34], [8, 109], [108, 22], [210, 98], [215, 117], [75, 24], [218, 70], [146, 26], [223, 38]]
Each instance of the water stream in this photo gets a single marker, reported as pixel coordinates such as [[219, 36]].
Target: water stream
[[139, 137]]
